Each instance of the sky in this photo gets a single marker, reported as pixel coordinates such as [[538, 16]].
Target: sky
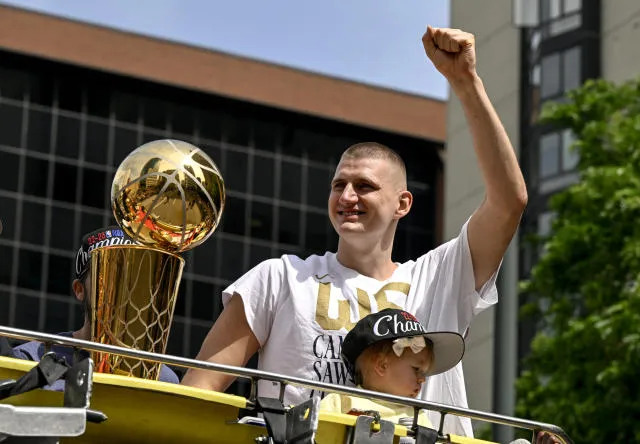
[[370, 41]]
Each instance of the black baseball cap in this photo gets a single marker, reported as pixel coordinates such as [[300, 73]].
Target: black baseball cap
[[104, 237], [389, 324]]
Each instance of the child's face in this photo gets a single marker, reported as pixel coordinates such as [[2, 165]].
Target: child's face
[[405, 375]]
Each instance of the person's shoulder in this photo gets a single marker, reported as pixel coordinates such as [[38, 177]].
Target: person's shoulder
[[29, 351], [168, 375]]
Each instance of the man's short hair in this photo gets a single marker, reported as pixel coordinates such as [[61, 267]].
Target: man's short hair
[[375, 150]]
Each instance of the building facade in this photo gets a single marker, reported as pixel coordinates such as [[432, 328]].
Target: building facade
[[524, 64], [75, 99]]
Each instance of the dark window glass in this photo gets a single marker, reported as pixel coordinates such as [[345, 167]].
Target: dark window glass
[[550, 82], [6, 253], [263, 168], [258, 254], [176, 336], [70, 92], [33, 220], [288, 226], [150, 136], [94, 193], [126, 140], [214, 152], [235, 174], [182, 119], [318, 187], [36, 177], [64, 188], [11, 124], [421, 214], [41, 89], [204, 257], [237, 131], [39, 133], [27, 309], [68, 137], [231, 266], [10, 169], [261, 220], [8, 217], [210, 125], [549, 163], [155, 113], [181, 302], [96, 147], [29, 269], [13, 84], [60, 269], [291, 182], [126, 107], [98, 102], [266, 135], [89, 222], [62, 223], [202, 301], [572, 69], [5, 298], [317, 229], [56, 316], [234, 217]]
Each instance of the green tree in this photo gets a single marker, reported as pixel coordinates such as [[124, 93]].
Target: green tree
[[583, 372]]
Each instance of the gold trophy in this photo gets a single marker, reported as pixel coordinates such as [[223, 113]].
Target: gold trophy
[[167, 195]]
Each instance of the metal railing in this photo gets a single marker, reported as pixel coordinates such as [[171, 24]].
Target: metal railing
[[255, 375]]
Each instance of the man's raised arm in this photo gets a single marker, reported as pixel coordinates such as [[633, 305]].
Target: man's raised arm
[[494, 223], [230, 342]]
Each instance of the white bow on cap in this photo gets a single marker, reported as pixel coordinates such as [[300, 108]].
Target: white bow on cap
[[415, 343]]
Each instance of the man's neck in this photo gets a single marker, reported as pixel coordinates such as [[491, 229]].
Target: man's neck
[[374, 261], [84, 332]]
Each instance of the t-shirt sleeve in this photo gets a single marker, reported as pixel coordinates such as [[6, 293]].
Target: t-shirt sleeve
[[331, 403], [454, 281], [261, 292]]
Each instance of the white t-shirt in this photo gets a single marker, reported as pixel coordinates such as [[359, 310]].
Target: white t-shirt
[[301, 309]]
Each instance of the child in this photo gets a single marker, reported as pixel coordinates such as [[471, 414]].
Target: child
[[391, 352]]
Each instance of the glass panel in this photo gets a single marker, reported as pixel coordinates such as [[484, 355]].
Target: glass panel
[[126, 140], [571, 67], [565, 24], [96, 147], [318, 187], [155, 113], [210, 125], [572, 6], [316, 235], [182, 119], [33, 220], [549, 164], [5, 298], [39, 131], [60, 273], [10, 169], [94, 193], [56, 316], [70, 91], [261, 220], [266, 135], [291, 182], [550, 81], [263, 168], [36, 177], [231, 266], [237, 131], [13, 84], [288, 226], [41, 89], [62, 223], [234, 217], [570, 156], [64, 187], [174, 345], [235, 174], [98, 102], [198, 333], [8, 218], [11, 121], [5, 265], [68, 137], [554, 8], [202, 302], [126, 107], [544, 223], [89, 222], [181, 302], [27, 309], [204, 257], [29, 269], [258, 254]]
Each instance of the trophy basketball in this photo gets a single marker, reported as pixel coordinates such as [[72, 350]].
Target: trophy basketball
[[167, 195]]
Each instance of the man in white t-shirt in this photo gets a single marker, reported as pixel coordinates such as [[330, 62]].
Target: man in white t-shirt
[[297, 311]]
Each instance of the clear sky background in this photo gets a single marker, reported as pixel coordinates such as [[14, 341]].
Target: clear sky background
[[369, 41]]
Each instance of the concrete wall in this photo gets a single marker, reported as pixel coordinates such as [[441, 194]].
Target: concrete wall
[[620, 30], [498, 54]]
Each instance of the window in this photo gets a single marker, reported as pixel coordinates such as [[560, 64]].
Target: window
[[11, 118], [561, 72], [557, 161], [549, 160], [560, 16]]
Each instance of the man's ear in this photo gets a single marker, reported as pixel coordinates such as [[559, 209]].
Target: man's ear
[[405, 200], [78, 290]]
